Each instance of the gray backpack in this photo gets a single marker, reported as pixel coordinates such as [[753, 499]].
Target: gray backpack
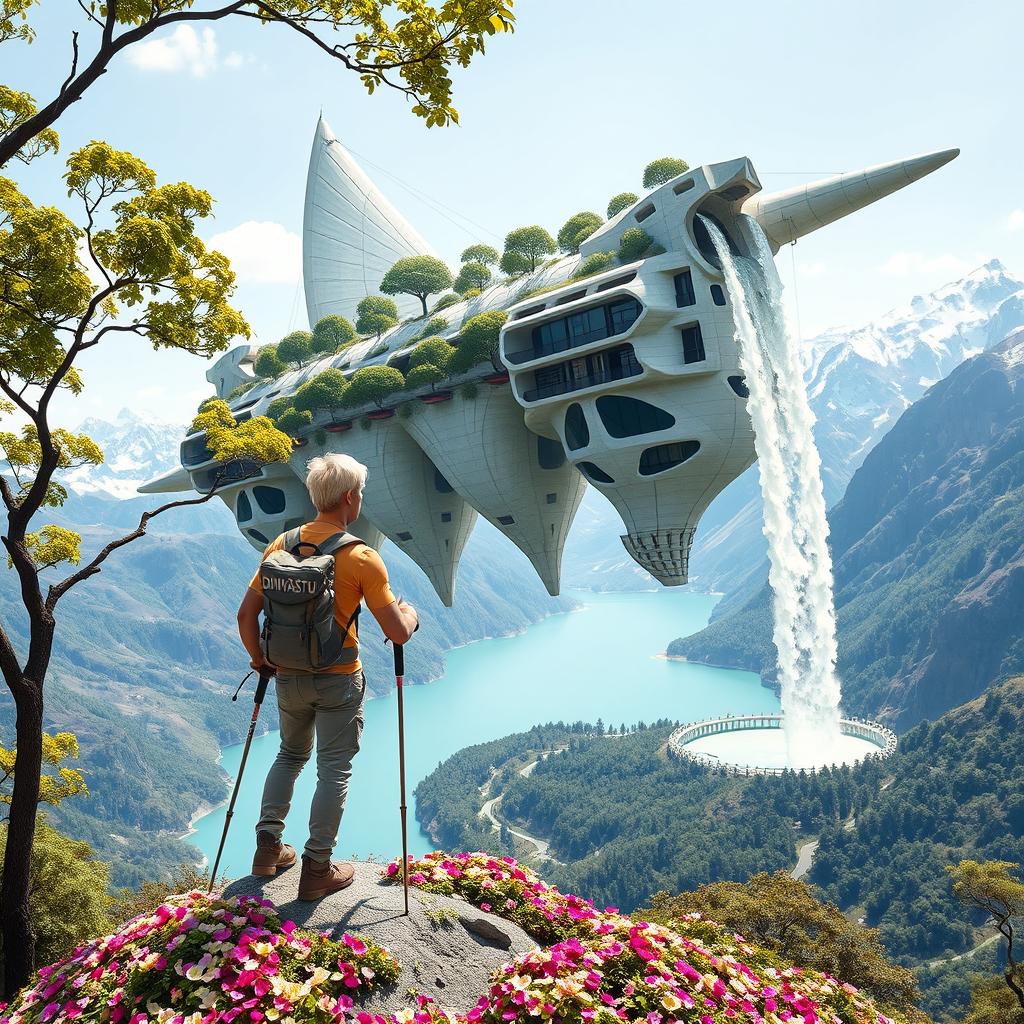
[[300, 633]]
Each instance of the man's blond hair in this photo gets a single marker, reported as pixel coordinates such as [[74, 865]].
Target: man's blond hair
[[330, 477]]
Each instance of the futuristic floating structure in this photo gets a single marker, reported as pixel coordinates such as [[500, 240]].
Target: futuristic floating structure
[[756, 744], [628, 379]]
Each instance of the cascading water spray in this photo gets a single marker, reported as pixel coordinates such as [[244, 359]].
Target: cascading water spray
[[794, 503]]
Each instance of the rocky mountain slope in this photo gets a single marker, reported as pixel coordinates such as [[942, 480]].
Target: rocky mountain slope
[[928, 546], [860, 381]]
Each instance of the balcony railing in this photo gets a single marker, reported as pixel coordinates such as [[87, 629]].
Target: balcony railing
[[565, 387]]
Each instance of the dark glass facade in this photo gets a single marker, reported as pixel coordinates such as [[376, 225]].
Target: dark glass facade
[[577, 433], [693, 344], [717, 295], [595, 474], [243, 508], [440, 484], [270, 499], [582, 328], [684, 289], [588, 371], [627, 417], [549, 453], [739, 385], [665, 456]]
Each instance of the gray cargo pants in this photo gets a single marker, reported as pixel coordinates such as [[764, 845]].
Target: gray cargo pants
[[329, 706]]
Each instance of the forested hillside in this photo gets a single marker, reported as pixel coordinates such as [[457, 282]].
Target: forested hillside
[[928, 546], [624, 820]]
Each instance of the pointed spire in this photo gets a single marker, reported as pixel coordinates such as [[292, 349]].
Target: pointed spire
[[786, 216]]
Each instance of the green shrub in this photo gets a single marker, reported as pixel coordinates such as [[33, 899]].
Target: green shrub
[[434, 352], [373, 384], [435, 326], [420, 376], [633, 244], [449, 299], [472, 277], [279, 406], [471, 294], [527, 247], [469, 391], [296, 348], [619, 203], [485, 254], [577, 229], [332, 333], [324, 391], [376, 314], [478, 341], [665, 168], [293, 421], [242, 389], [67, 892], [267, 363], [594, 264], [417, 275]]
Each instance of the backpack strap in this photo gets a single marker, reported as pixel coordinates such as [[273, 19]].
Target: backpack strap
[[336, 542], [292, 539]]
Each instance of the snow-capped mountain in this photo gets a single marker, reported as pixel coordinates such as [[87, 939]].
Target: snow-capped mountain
[[860, 380], [135, 450]]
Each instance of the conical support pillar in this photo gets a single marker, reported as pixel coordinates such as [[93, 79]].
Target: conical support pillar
[[407, 500], [520, 482]]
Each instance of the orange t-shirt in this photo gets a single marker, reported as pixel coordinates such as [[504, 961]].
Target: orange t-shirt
[[359, 574]]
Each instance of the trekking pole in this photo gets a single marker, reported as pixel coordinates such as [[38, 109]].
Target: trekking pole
[[261, 692], [399, 676]]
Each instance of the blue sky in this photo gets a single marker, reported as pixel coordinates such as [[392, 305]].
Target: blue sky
[[557, 118]]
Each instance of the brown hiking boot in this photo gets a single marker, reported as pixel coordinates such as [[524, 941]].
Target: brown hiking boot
[[271, 854], [320, 878]]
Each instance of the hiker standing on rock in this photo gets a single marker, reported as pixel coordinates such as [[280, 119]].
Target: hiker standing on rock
[[309, 587]]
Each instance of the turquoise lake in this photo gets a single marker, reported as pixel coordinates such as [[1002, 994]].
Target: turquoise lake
[[598, 662]]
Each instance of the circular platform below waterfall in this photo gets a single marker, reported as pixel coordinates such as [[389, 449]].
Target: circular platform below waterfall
[[756, 744]]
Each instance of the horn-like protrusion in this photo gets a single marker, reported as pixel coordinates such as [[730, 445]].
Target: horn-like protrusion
[[786, 216], [176, 480]]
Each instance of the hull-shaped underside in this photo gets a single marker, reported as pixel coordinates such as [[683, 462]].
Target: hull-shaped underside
[[409, 501], [519, 482]]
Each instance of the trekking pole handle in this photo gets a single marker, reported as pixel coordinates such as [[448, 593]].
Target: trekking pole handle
[[261, 687], [399, 659]]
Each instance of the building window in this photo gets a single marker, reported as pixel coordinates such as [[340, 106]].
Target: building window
[[739, 385], [552, 498], [571, 297], [683, 186], [644, 212], [665, 456], [270, 499], [550, 454], [623, 314], [577, 433], [627, 417], [530, 311], [195, 451], [587, 326], [693, 344], [404, 536], [615, 282], [440, 484], [256, 535], [243, 508], [506, 520], [585, 372], [595, 474], [446, 517], [717, 295], [684, 289]]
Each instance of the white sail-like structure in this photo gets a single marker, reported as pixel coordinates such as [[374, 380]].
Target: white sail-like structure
[[351, 234]]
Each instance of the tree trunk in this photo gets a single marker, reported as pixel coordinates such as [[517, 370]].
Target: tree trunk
[[423, 300], [15, 913]]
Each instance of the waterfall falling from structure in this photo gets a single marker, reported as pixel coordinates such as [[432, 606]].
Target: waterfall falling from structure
[[794, 503]]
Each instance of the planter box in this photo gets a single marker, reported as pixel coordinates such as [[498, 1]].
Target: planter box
[[380, 414], [337, 428], [497, 378], [437, 396]]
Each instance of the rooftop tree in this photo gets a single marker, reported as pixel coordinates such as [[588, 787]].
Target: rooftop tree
[[525, 248], [267, 364], [417, 275], [633, 244], [620, 202], [425, 373], [136, 265], [373, 384], [485, 254], [478, 341], [295, 349], [665, 168], [412, 54], [472, 275], [375, 315], [324, 391], [331, 334], [577, 229], [432, 352]]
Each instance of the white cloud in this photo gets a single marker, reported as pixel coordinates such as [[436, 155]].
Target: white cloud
[[235, 60], [261, 252], [903, 264], [1016, 221], [183, 50]]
